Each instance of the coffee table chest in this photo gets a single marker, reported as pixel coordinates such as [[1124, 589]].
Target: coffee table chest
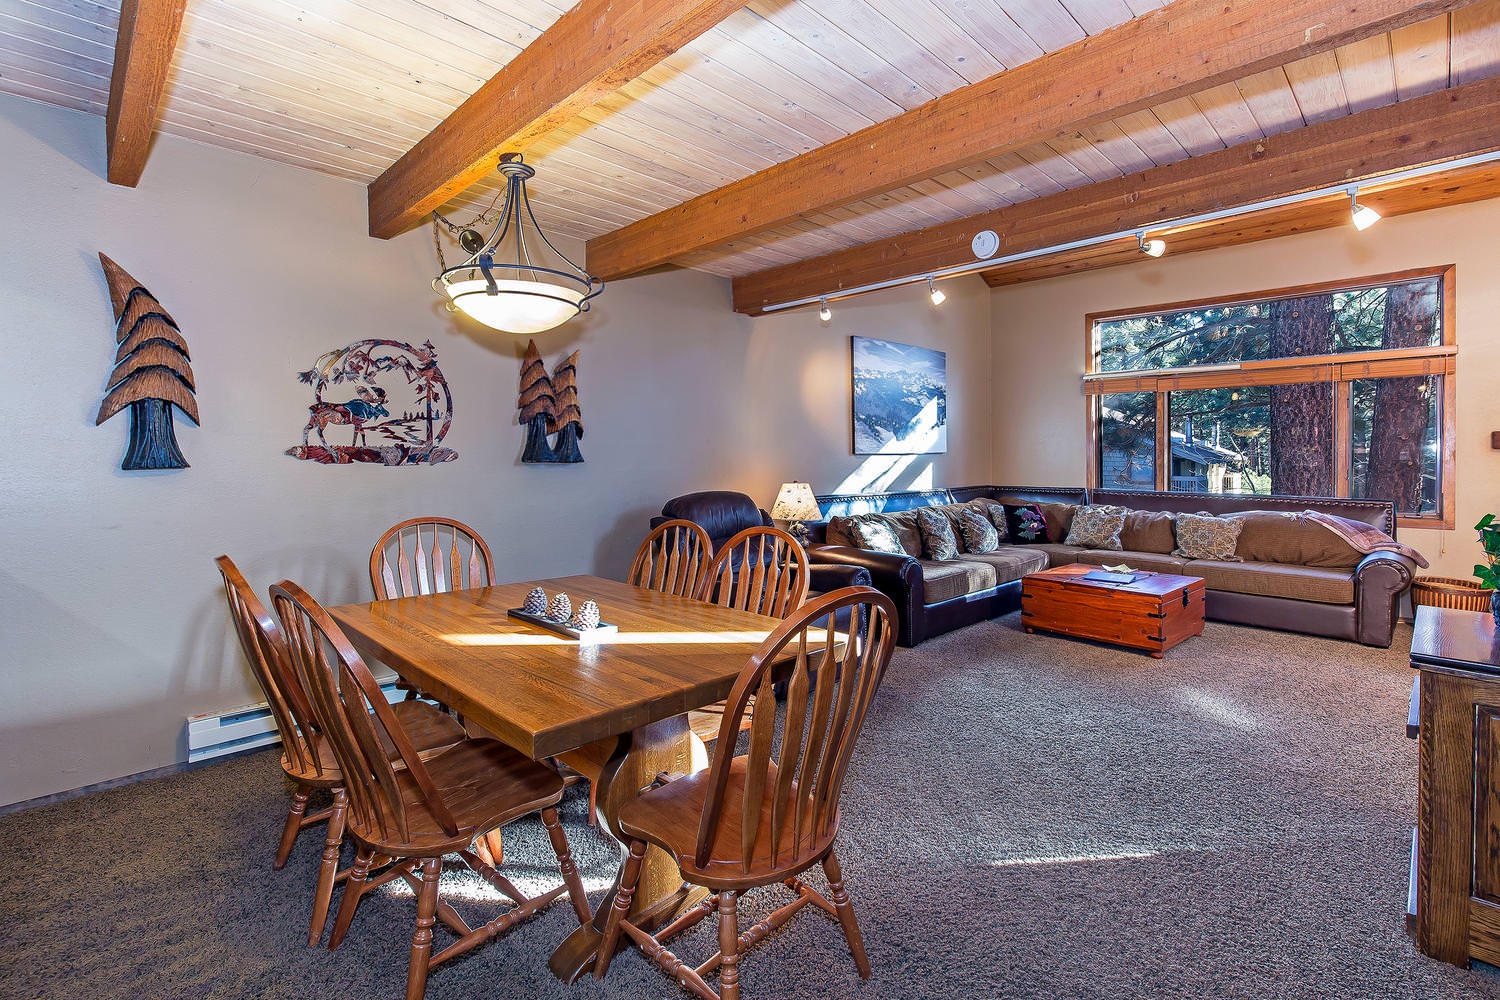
[[1153, 613]]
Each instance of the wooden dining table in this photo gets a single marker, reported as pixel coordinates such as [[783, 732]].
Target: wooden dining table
[[614, 708]]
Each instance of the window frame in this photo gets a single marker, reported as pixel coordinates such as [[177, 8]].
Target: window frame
[[1341, 370]]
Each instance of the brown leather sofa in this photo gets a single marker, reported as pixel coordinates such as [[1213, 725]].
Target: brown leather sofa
[[1355, 598]]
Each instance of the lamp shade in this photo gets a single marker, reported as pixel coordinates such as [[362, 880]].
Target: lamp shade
[[516, 306], [795, 503]]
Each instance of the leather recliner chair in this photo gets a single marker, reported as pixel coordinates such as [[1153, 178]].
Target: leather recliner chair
[[724, 513]]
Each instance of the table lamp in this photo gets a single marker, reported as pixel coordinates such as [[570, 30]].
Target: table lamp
[[795, 504]]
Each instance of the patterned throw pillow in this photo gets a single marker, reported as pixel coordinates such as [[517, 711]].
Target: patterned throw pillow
[[1203, 536], [938, 541], [996, 513], [1025, 524], [1097, 527], [876, 536], [979, 534]]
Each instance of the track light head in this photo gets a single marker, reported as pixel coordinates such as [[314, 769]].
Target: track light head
[[1151, 248], [1364, 216], [935, 294], [824, 313]]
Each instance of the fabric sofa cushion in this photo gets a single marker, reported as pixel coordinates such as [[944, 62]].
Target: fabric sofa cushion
[[1286, 537], [1096, 527], [1010, 562], [1203, 536], [950, 578], [978, 533], [1151, 562], [904, 524], [877, 536], [938, 539], [1148, 531], [1321, 585], [839, 531], [1059, 554], [1026, 525], [1059, 519]]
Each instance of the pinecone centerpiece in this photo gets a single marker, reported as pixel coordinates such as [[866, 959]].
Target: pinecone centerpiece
[[536, 602], [561, 608], [586, 617]]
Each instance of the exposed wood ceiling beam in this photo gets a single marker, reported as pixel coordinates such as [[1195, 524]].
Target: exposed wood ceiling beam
[[1182, 48], [1440, 126], [590, 52], [143, 54]]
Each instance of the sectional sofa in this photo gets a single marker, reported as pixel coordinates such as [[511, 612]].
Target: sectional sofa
[[1288, 572]]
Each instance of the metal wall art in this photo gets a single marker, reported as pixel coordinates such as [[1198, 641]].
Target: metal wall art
[[550, 406], [389, 400], [151, 374]]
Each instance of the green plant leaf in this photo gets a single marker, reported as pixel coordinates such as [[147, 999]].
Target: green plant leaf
[[1484, 522]]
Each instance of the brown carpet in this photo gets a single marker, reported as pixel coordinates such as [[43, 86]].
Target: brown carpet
[[1027, 816]]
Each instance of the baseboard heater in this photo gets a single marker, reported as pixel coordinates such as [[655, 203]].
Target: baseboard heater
[[220, 733]]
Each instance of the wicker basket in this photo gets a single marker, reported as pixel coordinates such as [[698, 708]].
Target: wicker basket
[[1446, 592]]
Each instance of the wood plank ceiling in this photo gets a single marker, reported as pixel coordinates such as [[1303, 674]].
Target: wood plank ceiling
[[346, 87]]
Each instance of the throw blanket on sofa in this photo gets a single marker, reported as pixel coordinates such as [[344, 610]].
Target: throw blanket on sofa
[[1364, 537]]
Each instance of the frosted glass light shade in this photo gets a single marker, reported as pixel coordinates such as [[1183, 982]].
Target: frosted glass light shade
[[1364, 216], [516, 306]]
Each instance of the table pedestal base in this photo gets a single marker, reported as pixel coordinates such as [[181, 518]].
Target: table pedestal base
[[630, 767]]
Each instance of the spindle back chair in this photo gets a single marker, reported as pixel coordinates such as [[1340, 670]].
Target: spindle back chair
[[429, 555], [760, 569], [766, 816], [673, 559], [430, 807]]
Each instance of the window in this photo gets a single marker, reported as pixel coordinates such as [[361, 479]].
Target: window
[[1330, 390]]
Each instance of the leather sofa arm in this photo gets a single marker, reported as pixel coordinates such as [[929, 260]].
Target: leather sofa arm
[[826, 577], [1379, 581], [899, 577]]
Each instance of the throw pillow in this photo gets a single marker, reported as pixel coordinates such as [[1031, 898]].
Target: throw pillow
[[1203, 536], [979, 534], [996, 513], [938, 541], [1097, 527], [877, 536], [1147, 531], [1025, 524]]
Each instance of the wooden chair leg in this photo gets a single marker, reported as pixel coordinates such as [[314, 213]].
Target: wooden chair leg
[[629, 876], [729, 946], [293, 825], [354, 887], [839, 897], [421, 939], [576, 893], [328, 870], [490, 846]]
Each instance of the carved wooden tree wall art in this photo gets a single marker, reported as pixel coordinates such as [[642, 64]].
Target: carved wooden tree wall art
[[568, 422], [549, 405], [151, 374]]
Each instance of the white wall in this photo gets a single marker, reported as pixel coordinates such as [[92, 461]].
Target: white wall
[[111, 618], [1039, 350]]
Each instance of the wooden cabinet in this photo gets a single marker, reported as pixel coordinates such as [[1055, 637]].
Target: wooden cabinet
[[1457, 872]]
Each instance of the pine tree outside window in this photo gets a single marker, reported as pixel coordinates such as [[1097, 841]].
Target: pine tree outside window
[[1332, 390]]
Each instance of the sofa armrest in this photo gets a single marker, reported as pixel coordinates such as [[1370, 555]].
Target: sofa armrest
[[899, 577], [827, 577], [1379, 581]]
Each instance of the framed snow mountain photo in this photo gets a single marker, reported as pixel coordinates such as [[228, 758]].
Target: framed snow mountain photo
[[900, 398]]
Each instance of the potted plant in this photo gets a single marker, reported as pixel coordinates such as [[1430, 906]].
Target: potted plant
[[1488, 572]]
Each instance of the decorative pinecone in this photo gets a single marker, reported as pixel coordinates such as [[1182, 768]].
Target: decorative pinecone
[[586, 617], [536, 602], [560, 609]]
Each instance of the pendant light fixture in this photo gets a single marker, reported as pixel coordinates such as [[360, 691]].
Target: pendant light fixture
[[500, 284]]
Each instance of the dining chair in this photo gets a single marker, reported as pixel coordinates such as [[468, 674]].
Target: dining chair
[[409, 818], [673, 559], [760, 569], [306, 756], [429, 555], [768, 815]]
